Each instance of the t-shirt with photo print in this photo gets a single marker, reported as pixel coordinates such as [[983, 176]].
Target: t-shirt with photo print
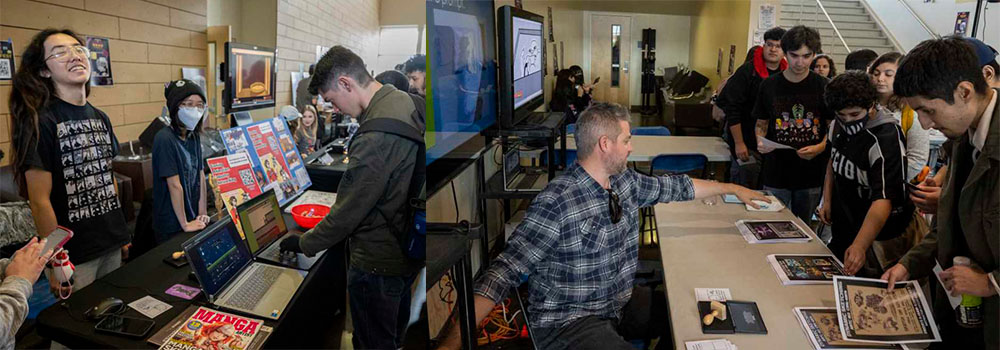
[[77, 145], [796, 116]]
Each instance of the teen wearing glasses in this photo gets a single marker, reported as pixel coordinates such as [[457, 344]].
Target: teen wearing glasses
[[62, 151], [178, 172], [578, 244]]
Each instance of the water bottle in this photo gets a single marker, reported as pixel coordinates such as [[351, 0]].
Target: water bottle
[[969, 313]]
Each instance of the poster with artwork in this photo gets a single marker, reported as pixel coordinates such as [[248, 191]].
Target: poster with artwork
[[6, 60], [273, 156], [766, 17], [823, 329], [962, 23], [100, 61], [236, 181], [758, 37], [868, 312]]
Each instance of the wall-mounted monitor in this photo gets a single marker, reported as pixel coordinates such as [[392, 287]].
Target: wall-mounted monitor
[[250, 77], [521, 49]]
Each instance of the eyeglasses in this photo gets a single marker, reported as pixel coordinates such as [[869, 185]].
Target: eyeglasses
[[772, 45], [198, 105], [614, 206], [62, 54]]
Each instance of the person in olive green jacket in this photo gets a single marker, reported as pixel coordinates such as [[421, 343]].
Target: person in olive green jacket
[[372, 199], [951, 96]]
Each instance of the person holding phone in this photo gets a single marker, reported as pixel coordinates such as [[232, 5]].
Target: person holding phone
[[17, 275], [62, 149], [179, 203]]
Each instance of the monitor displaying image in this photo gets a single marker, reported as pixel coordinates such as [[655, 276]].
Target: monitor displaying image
[[527, 60], [250, 80]]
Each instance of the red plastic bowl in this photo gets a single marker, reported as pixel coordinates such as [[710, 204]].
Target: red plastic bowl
[[319, 211]]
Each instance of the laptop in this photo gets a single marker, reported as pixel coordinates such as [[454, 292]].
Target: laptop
[[232, 280], [264, 226], [518, 179]]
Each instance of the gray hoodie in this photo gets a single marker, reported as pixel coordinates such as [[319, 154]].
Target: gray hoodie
[[14, 294]]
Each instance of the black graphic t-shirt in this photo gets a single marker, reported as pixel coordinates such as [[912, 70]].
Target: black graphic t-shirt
[[868, 166], [76, 144], [797, 117]]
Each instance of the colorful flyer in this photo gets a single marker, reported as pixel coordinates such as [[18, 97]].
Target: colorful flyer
[[823, 329], [868, 312], [6, 60], [271, 151], [210, 329], [100, 61], [236, 181]]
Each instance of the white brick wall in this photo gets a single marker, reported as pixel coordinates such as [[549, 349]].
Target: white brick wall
[[303, 24]]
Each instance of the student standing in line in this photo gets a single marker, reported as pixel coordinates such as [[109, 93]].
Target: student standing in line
[[179, 202], [62, 148], [883, 73], [790, 111], [859, 59], [952, 97], [864, 196], [927, 195], [824, 66], [737, 100]]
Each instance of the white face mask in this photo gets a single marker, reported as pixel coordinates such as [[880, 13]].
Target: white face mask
[[190, 116]]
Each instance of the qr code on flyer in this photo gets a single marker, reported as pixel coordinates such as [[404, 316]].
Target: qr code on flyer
[[5, 69]]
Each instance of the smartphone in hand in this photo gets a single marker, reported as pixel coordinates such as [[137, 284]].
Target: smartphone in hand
[[56, 240]]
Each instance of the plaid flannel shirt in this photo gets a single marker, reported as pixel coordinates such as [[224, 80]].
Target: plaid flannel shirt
[[578, 262]]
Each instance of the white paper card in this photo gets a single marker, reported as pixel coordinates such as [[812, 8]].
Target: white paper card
[[710, 294], [771, 144], [149, 306], [953, 300]]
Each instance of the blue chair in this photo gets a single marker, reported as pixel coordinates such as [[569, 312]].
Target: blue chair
[[651, 131], [691, 164]]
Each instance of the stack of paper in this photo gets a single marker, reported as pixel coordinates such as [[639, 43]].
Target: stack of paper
[[714, 344], [772, 231]]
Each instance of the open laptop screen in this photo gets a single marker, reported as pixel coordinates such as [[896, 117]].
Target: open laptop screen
[[261, 220], [217, 256]]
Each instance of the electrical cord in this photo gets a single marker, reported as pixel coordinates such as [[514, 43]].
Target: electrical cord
[[454, 196]]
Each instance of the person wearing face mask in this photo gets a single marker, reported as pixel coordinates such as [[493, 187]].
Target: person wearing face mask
[[883, 72], [864, 198], [179, 203], [61, 153]]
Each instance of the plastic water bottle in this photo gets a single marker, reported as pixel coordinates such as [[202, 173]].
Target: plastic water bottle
[[969, 313]]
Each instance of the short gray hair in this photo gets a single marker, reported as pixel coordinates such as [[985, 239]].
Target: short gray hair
[[600, 119]]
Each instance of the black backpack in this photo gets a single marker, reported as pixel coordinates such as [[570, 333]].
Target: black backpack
[[414, 238]]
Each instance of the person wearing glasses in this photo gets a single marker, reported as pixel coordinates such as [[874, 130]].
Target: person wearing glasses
[[179, 203], [578, 244], [62, 148]]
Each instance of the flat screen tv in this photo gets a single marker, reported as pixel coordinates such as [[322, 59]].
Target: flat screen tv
[[521, 49], [461, 71], [250, 77]]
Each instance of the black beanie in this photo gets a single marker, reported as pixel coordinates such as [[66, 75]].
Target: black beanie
[[177, 91]]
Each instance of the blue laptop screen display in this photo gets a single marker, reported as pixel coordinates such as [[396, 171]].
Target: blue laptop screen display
[[219, 257]]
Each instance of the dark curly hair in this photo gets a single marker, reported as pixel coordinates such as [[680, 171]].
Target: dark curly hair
[[774, 33], [829, 60], [416, 63], [850, 89], [934, 68], [800, 36]]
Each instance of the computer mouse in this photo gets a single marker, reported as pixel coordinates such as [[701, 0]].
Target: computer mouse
[[108, 306]]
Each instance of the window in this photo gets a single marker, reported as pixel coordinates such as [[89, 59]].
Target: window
[[616, 36], [396, 45]]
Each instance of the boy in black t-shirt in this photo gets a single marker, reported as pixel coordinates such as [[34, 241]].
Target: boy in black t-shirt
[[790, 111], [864, 197]]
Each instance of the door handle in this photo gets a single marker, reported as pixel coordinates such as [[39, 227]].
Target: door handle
[[625, 69]]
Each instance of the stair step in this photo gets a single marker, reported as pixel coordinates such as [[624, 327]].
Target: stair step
[[829, 9], [837, 17], [824, 24], [854, 33]]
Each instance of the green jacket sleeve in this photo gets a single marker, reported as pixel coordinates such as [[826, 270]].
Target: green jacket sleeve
[[360, 189], [920, 260]]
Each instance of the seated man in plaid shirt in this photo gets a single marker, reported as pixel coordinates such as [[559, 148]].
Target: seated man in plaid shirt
[[579, 242]]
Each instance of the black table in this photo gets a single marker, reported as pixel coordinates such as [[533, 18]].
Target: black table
[[304, 324], [451, 252], [325, 177]]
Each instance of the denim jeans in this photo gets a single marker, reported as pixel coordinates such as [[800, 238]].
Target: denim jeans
[[380, 308], [643, 318], [802, 202]]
